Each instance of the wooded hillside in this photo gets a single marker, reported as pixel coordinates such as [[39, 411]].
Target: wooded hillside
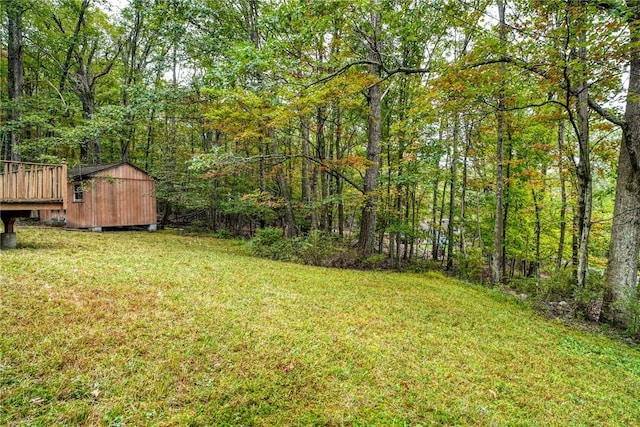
[[498, 138]]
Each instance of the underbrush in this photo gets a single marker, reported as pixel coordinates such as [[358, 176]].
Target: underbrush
[[557, 287], [554, 296], [317, 248], [325, 249]]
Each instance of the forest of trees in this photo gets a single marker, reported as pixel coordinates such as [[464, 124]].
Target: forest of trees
[[482, 134]]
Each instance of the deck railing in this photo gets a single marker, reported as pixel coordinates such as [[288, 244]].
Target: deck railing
[[32, 182]]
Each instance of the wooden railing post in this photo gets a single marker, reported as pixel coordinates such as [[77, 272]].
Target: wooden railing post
[[63, 183]]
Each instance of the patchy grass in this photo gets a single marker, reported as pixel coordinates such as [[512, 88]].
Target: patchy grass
[[160, 329]]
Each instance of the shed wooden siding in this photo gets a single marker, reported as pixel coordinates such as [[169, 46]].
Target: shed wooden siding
[[120, 196]]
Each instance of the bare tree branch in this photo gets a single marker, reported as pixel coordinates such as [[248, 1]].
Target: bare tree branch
[[389, 73], [340, 71], [607, 115]]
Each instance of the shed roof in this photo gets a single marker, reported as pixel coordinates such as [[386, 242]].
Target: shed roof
[[80, 172]]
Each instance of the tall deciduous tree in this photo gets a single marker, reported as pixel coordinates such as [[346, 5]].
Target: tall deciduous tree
[[622, 266], [497, 259], [581, 126], [366, 240], [15, 77]]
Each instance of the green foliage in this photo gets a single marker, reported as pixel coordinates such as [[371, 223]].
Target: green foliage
[[318, 248], [270, 243], [633, 310], [326, 249], [374, 262], [628, 310], [256, 205], [223, 234], [560, 285], [591, 296], [420, 265], [471, 265]]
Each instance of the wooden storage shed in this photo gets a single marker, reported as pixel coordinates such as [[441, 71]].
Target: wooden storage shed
[[109, 195]]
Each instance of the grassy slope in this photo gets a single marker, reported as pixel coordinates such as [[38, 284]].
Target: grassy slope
[[159, 329]]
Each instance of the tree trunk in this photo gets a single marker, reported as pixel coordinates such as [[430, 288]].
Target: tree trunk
[[290, 228], [147, 150], [136, 58], [435, 229], [321, 151], [339, 183], [396, 209], [622, 266], [585, 184], [414, 225], [463, 195], [15, 79], [366, 240], [452, 194], [66, 66], [584, 198], [563, 196], [440, 233], [434, 219], [538, 198], [314, 199], [306, 142], [507, 201], [497, 260], [90, 152]]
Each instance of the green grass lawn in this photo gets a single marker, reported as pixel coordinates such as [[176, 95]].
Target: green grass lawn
[[160, 329]]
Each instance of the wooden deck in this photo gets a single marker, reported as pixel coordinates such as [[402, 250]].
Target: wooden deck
[[25, 187], [32, 186]]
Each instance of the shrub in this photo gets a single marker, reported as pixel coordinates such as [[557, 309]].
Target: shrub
[[590, 298], [325, 249], [270, 243], [471, 266], [421, 265], [559, 286], [374, 262], [633, 310], [318, 248], [197, 227], [223, 233]]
